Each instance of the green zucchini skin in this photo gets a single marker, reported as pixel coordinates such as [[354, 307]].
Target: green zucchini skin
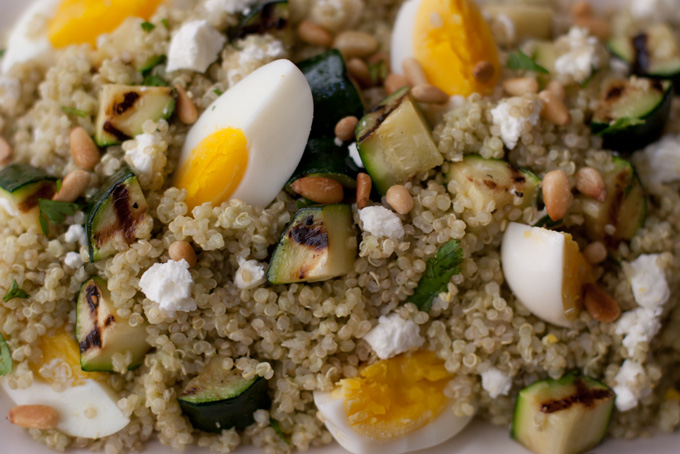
[[263, 17], [335, 96], [16, 176], [5, 357], [22, 186], [323, 158]]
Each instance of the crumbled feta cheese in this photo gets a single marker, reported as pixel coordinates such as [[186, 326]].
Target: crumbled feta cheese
[[514, 117], [169, 284], [496, 383], [195, 46], [379, 221], [631, 385], [648, 282], [250, 274], [73, 260], [354, 154], [663, 160], [578, 54], [638, 326], [227, 6], [146, 156], [76, 234], [394, 335]]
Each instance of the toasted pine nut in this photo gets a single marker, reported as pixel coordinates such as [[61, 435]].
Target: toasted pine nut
[[354, 43], [319, 189], [556, 88], [399, 199], [483, 71], [182, 250], [581, 8], [394, 82], [364, 184], [83, 149], [5, 151], [186, 109], [520, 85], [34, 416], [429, 94], [595, 253], [554, 109], [360, 72], [314, 34], [589, 182], [344, 130], [73, 186], [413, 72], [556, 194], [600, 306], [597, 27]]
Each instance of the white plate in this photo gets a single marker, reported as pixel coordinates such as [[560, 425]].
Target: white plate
[[479, 438]]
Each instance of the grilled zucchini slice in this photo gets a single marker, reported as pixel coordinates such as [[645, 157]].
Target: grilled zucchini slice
[[21, 186]]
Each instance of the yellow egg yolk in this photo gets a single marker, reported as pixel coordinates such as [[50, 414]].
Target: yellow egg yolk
[[82, 21], [395, 396], [215, 168], [576, 274], [450, 38]]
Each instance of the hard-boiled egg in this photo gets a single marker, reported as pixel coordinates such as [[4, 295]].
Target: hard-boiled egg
[[449, 38], [396, 405], [545, 271], [87, 407], [247, 144]]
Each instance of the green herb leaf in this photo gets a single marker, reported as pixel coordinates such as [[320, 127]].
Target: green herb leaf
[[154, 81], [166, 23], [151, 63], [520, 60], [437, 275], [620, 124], [218, 92], [14, 292], [148, 26], [73, 111], [2, 52], [59, 183], [547, 223], [277, 428], [55, 212], [378, 72], [6, 357]]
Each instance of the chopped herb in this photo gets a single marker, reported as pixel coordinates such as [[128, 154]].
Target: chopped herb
[[2, 52], [520, 60], [378, 72], [148, 26], [218, 92], [14, 292], [151, 63], [547, 223], [59, 183], [55, 212], [166, 23], [73, 111], [437, 275], [6, 357], [154, 81], [277, 428], [213, 107], [621, 123]]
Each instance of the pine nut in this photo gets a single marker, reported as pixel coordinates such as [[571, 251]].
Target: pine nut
[[589, 182], [364, 184], [353, 43], [182, 250], [34, 416], [344, 130], [399, 199], [429, 94], [314, 34], [597, 27], [73, 186], [600, 306], [186, 109], [554, 109], [83, 149], [360, 72], [319, 189], [413, 72], [520, 85], [394, 82], [556, 194], [581, 8], [5, 151], [483, 71], [556, 88], [595, 253]]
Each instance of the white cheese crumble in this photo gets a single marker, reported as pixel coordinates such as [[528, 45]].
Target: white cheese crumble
[[631, 385], [648, 282], [226, 6], [143, 154], [638, 326], [76, 234], [354, 154], [379, 221], [496, 383], [250, 274], [73, 260], [169, 284], [195, 46], [663, 160], [393, 335], [578, 54], [508, 117]]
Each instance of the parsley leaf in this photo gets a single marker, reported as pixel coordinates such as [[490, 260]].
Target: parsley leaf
[[154, 81], [437, 275], [277, 428], [166, 23], [55, 212], [5, 356], [14, 292], [151, 63], [378, 72], [218, 92], [148, 26], [59, 183], [520, 60], [73, 111], [620, 124], [547, 223]]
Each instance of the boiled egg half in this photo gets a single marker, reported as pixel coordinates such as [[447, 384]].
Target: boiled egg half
[[87, 408], [449, 38], [546, 272], [394, 406], [247, 144]]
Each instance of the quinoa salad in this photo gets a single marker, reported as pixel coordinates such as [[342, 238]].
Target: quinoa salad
[[284, 223]]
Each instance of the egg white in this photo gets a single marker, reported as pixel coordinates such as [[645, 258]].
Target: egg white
[[402, 35], [438, 431], [273, 107], [533, 265]]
